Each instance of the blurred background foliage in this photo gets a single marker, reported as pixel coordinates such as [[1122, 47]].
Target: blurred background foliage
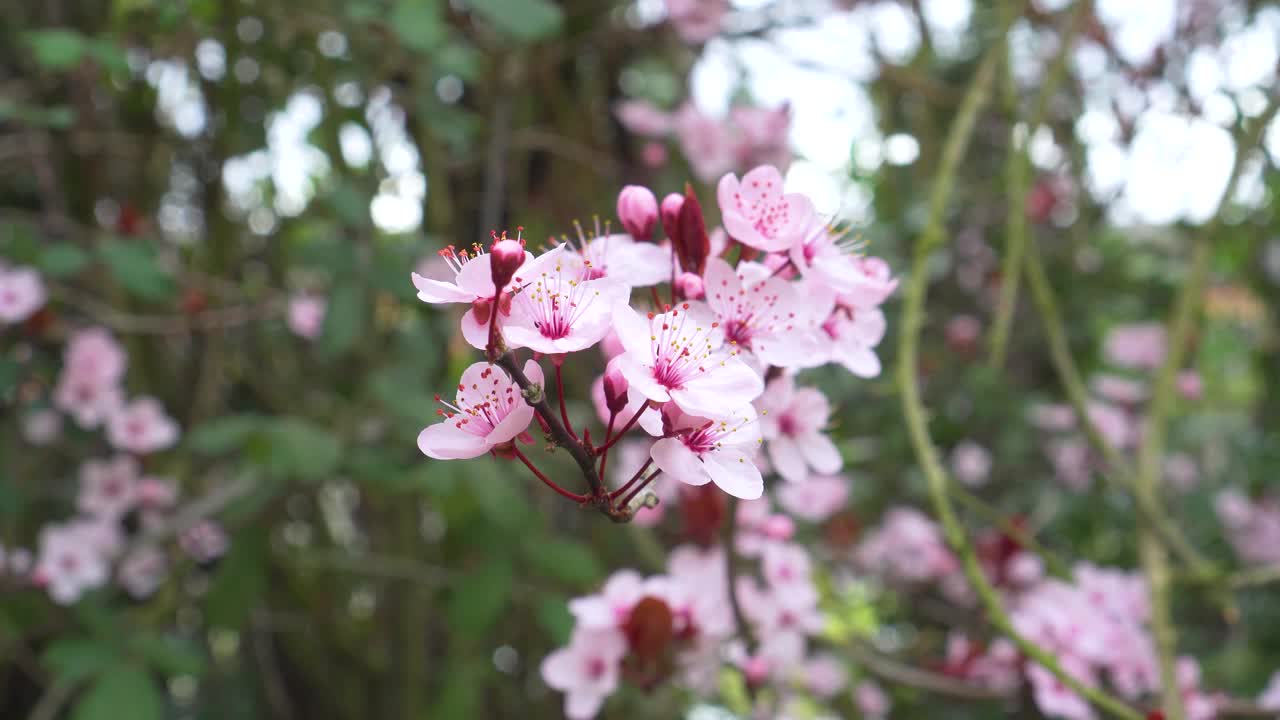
[[176, 170]]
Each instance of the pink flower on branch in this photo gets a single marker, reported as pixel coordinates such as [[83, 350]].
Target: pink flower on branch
[[756, 212], [792, 420], [142, 427], [22, 293], [561, 309], [489, 411], [718, 451], [586, 671], [679, 356], [761, 314]]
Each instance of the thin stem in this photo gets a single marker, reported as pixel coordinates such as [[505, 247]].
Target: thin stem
[[564, 414], [1017, 169], [491, 350], [546, 480], [608, 433], [1147, 481], [914, 409], [891, 670], [639, 489], [634, 478], [1026, 539], [610, 443]]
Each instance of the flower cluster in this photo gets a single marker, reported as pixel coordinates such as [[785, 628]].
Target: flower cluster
[[703, 335], [746, 137]]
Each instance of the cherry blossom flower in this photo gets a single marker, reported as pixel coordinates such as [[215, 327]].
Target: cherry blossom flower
[[643, 118], [306, 315], [717, 451], [562, 310], [586, 671], [142, 427], [758, 527], [650, 421], [638, 211], [473, 275], [873, 283], [678, 356], [87, 399], [872, 701], [816, 499], [1269, 699], [707, 145], [1118, 389], [907, 547], [825, 675], [71, 560], [94, 353], [756, 212], [142, 571], [1141, 346], [792, 420], [1057, 700], [634, 263], [489, 411], [697, 21], [22, 293], [204, 542], [761, 135], [760, 314], [825, 255], [971, 463], [41, 427], [108, 488], [854, 334]]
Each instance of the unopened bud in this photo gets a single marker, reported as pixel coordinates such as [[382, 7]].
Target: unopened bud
[[615, 389], [690, 241], [505, 257], [779, 527], [756, 670], [690, 286], [638, 211], [670, 213]]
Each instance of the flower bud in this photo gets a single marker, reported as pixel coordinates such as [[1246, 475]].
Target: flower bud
[[615, 389], [670, 213], [690, 286], [779, 527], [690, 241], [505, 257], [638, 211], [756, 669]]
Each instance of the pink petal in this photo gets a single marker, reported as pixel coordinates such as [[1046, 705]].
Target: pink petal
[[673, 458], [560, 669], [476, 278], [633, 331], [734, 473], [435, 291], [720, 391], [787, 460], [445, 441], [640, 379], [820, 452]]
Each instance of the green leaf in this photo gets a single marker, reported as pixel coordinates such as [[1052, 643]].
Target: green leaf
[[479, 599], [134, 265], [9, 372], [75, 659], [56, 48], [553, 615], [527, 20], [295, 448], [124, 691], [62, 260], [169, 654], [462, 693], [109, 54], [239, 583], [568, 561], [223, 434], [418, 24], [343, 320]]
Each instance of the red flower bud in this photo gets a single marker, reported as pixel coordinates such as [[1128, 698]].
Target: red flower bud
[[638, 211], [690, 241], [649, 629], [615, 389], [505, 257], [670, 213], [690, 286]]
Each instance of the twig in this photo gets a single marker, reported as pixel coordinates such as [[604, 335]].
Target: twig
[[1147, 481], [913, 406], [546, 480], [1024, 538], [731, 560], [1016, 171], [887, 668]]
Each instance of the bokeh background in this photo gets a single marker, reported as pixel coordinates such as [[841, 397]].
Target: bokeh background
[[239, 189]]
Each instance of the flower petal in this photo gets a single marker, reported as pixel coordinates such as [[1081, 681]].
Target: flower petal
[[445, 441], [675, 459], [436, 291], [734, 473]]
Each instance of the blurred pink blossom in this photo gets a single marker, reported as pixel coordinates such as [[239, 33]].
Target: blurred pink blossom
[[306, 315], [142, 427], [22, 293], [1139, 346]]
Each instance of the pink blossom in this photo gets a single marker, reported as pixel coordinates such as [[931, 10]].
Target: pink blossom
[[1050, 417], [873, 284], [41, 427], [108, 488], [1180, 472], [1141, 346], [610, 608], [971, 463], [907, 547], [650, 421], [643, 118], [1197, 704], [717, 451], [1119, 389], [1190, 385], [142, 571], [1057, 700], [473, 275], [815, 499], [1270, 697], [872, 702], [762, 135], [490, 410], [679, 356], [793, 420], [638, 211], [87, 399], [760, 314], [562, 310], [586, 671], [95, 354], [1070, 460], [142, 427], [306, 315], [1252, 527], [204, 542], [71, 560], [653, 154], [825, 675], [759, 527], [827, 256], [702, 576], [634, 264], [854, 334], [756, 212], [706, 143], [22, 293], [697, 21]]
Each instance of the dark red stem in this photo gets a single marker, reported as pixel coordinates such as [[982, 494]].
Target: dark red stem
[[633, 479], [608, 434], [546, 480], [640, 488], [609, 442], [564, 414]]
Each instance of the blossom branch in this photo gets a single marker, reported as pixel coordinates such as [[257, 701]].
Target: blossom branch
[[1017, 169], [1147, 479], [891, 670], [546, 480], [913, 405]]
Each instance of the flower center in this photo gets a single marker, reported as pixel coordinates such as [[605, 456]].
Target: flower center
[[595, 668]]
